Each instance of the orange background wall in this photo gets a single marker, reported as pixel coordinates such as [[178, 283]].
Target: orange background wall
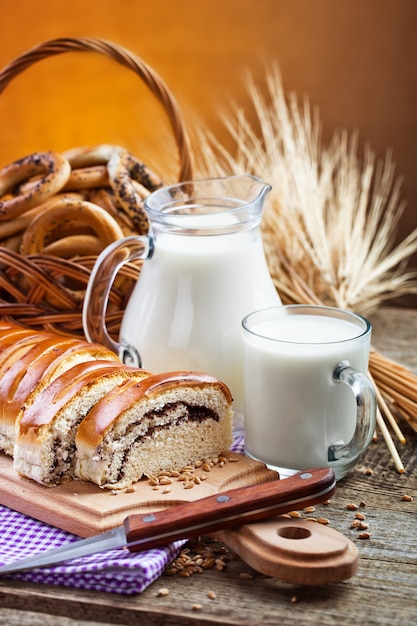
[[355, 59]]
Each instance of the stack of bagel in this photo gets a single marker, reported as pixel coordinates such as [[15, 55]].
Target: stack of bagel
[[73, 203], [58, 211], [70, 409]]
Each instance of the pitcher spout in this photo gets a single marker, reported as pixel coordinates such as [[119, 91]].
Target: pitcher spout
[[205, 205]]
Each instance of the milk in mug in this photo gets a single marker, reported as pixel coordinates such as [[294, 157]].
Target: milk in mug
[[293, 408]]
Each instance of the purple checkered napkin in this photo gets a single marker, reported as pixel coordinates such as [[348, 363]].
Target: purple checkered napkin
[[115, 571]]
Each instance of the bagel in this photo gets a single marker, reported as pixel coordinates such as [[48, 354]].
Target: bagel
[[63, 216], [87, 178], [130, 180], [124, 171], [54, 170], [104, 197], [90, 156], [21, 222], [73, 246]]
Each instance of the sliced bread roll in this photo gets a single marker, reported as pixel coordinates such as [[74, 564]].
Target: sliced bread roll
[[162, 422], [13, 346], [45, 448], [24, 377], [10, 334], [7, 328]]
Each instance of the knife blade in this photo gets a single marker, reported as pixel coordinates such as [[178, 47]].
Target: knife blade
[[228, 509]]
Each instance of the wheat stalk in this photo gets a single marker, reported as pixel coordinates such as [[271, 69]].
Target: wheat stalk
[[330, 221]]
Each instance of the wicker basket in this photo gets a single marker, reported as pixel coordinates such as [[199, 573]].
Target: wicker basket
[[28, 284]]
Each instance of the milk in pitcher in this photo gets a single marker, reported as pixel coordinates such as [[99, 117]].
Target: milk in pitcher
[[186, 310]]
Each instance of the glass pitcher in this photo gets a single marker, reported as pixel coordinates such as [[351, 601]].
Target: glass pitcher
[[204, 270]]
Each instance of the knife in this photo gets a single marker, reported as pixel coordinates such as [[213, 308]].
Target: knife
[[205, 516]]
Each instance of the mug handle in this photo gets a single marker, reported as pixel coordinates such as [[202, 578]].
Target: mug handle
[[365, 414], [102, 277]]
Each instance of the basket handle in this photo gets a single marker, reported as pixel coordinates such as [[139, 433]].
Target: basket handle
[[125, 58]]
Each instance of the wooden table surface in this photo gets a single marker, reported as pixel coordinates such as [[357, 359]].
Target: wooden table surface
[[384, 591]]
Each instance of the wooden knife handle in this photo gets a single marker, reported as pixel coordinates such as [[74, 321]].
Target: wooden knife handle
[[229, 509]]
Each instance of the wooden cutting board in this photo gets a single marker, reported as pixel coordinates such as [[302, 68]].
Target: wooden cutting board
[[297, 551], [85, 509]]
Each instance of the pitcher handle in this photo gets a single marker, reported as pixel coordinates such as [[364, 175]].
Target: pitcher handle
[[365, 414], [102, 277]]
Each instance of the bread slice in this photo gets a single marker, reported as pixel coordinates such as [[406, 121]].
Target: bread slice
[[165, 421], [45, 450], [24, 377]]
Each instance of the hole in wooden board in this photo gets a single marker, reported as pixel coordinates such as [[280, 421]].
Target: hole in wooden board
[[294, 532]]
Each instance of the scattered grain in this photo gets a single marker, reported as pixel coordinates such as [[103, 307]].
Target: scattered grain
[[352, 507], [294, 600], [309, 509], [220, 565], [323, 520], [364, 536], [201, 553], [359, 516], [162, 592], [294, 514], [406, 498], [245, 576], [211, 595], [197, 607], [368, 471]]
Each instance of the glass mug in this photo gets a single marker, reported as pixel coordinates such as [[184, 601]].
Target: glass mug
[[204, 268], [307, 399]]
